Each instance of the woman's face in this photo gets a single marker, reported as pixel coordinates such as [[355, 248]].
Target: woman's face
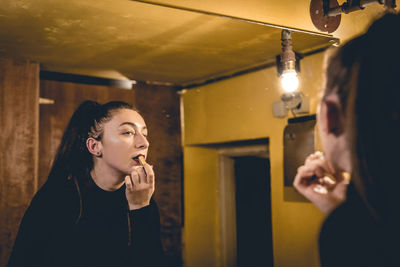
[[322, 131], [124, 139], [333, 133]]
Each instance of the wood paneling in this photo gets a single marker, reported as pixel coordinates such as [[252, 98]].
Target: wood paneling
[[159, 106], [19, 114]]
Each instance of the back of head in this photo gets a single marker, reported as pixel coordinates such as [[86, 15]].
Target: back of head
[[73, 158], [365, 73]]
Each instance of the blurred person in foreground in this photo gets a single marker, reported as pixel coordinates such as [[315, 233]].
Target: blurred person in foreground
[[359, 127]]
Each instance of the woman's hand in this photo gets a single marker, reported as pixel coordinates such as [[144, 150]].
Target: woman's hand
[[314, 181], [139, 187]]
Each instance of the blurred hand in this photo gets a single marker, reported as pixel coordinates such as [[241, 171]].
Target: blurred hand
[[319, 183], [139, 187]]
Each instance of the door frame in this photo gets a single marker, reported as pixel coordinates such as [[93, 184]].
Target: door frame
[[227, 197]]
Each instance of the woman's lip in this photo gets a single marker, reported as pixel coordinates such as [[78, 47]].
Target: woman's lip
[[136, 158]]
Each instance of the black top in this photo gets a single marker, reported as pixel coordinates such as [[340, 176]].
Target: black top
[[106, 234], [351, 236]]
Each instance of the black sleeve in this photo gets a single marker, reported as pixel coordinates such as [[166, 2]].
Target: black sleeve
[[146, 238], [333, 247], [33, 234], [349, 236]]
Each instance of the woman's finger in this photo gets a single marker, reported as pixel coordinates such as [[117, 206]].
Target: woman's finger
[[310, 174], [135, 177], [303, 178], [316, 167], [328, 180], [141, 173], [314, 156], [149, 173], [320, 189], [128, 183], [319, 156], [304, 173]]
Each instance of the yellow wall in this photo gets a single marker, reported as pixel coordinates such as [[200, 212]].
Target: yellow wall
[[200, 245], [240, 108]]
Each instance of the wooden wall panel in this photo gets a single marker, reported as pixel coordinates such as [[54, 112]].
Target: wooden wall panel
[[160, 108], [55, 117], [19, 115]]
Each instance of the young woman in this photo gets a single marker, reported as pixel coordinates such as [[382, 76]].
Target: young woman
[[95, 208], [359, 123]]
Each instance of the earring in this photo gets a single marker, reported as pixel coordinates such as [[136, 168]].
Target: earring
[[98, 154]]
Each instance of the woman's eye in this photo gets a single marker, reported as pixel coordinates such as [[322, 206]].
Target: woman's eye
[[129, 133]]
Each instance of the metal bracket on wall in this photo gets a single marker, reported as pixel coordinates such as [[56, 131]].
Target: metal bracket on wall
[[298, 143], [326, 14]]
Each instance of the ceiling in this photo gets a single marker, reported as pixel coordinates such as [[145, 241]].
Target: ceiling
[[125, 39]]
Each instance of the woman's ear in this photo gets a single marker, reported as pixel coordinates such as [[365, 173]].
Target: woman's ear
[[94, 146], [333, 117]]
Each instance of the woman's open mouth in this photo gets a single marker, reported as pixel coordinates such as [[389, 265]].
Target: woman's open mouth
[[136, 158]]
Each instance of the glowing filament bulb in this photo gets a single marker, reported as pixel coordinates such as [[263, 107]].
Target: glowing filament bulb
[[289, 81]]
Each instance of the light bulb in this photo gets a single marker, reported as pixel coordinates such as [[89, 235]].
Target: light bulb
[[289, 81]]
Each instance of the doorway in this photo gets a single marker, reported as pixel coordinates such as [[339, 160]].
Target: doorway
[[253, 212], [246, 227]]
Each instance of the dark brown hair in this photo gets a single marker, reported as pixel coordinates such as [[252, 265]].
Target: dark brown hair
[[365, 74]]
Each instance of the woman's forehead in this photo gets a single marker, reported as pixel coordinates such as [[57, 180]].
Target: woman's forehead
[[127, 117]]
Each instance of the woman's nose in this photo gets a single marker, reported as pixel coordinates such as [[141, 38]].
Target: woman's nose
[[141, 141]]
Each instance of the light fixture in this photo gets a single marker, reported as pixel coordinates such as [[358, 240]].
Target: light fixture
[[287, 70], [289, 79]]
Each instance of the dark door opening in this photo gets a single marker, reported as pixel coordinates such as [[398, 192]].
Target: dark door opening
[[253, 212]]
